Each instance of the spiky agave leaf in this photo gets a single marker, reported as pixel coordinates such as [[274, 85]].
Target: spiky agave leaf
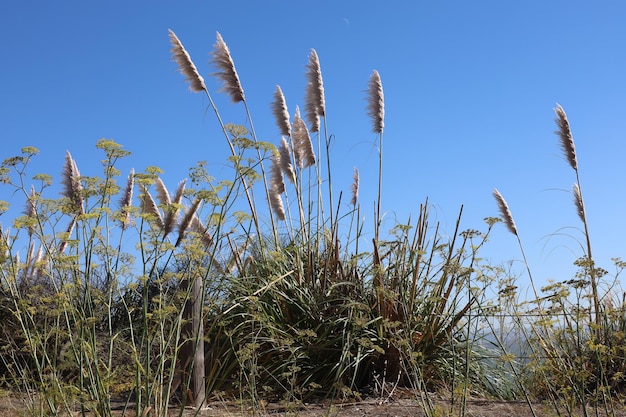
[[505, 212], [376, 102], [221, 58], [315, 104], [565, 134], [186, 65], [279, 108]]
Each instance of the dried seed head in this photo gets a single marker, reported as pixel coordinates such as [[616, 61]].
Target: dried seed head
[[31, 208], [71, 183], [198, 227], [162, 194], [315, 104], [303, 147], [578, 201], [277, 183], [220, 57], [68, 235], [355, 187], [565, 134], [505, 212], [285, 160], [186, 65], [149, 206], [127, 199], [185, 224], [276, 204], [279, 108], [376, 103]]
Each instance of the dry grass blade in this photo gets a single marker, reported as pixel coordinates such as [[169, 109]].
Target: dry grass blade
[[285, 160], [505, 212], [565, 134], [127, 199], [185, 224], [71, 183], [186, 65], [279, 108], [276, 204], [149, 206], [354, 187], [222, 59], [578, 201], [303, 149], [376, 103], [315, 104]]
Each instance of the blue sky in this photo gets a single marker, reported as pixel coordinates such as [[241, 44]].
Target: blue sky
[[470, 89]]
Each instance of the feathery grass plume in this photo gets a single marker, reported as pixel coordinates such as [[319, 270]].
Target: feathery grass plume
[[578, 201], [285, 160], [279, 108], [68, 235], [199, 228], [315, 104], [127, 199], [276, 204], [185, 224], [354, 187], [31, 209], [505, 212], [149, 206], [222, 59], [277, 183], [71, 183], [376, 103], [162, 194], [303, 147], [171, 211], [186, 65], [565, 134]]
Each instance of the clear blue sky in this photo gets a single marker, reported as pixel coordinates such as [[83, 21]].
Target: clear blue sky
[[470, 89]]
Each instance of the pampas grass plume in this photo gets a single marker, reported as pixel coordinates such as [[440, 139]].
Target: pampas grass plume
[[303, 147], [276, 204], [186, 65], [285, 160], [354, 187], [565, 134], [376, 102], [278, 184], [71, 183], [578, 201], [279, 108], [185, 224], [222, 59], [127, 199], [505, 212], [315, 103], [149, 206]]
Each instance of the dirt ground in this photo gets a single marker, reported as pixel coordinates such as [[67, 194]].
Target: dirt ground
[[11, 406]]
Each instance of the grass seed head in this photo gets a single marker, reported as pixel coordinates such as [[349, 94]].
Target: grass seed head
[[315, 103], [505, 212], [221, 58], [376, 103], [186, 65], [565, 134]]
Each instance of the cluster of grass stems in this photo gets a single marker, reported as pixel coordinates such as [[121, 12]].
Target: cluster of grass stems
[[266, 286]]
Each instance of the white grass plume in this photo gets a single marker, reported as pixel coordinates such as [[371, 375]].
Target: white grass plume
[[505, 212], [285, 161], [127, 200], [354, 187], [376, 102], [186, 65], [149, 206], [72, 186], [185, 223], [315, 102], [221, 58], [281, 114], [565, 134], [303, 147]]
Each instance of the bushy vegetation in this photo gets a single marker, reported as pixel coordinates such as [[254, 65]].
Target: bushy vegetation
[[264, 286]]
